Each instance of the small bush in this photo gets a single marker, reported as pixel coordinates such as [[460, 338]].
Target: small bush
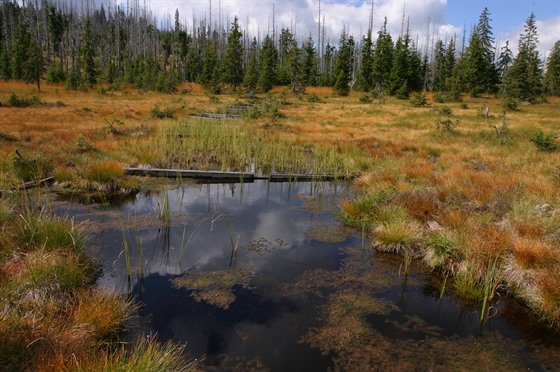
[[16, 101], [82, 145], [366, 98], [55, 74], [464, 105], [510, 103], [447, 125], [544, 141], [8, 137], [254, 112], [445, 111], [444, 97], [419, 99], [158, 113], [314, 98]]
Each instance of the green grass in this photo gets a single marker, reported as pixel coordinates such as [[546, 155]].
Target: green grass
[[231, 146], [146, 355], [49, 232]]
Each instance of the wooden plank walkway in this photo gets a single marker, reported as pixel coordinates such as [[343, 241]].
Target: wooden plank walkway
[[217, 175], [184, 173]]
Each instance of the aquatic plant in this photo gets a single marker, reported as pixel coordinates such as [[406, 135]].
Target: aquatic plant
[[165, 212], [214, 287]]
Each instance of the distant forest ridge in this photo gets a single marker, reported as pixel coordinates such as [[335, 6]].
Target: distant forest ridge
[[60, 42]]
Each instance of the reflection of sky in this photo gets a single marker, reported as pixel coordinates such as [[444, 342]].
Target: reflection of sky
[[204, 221]]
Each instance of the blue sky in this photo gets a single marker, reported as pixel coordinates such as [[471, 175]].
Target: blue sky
[[506, 15]]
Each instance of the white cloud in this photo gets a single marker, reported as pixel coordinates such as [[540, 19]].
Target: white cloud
[[548, 31]]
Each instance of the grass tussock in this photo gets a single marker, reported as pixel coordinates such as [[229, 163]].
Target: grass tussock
[[143, 356], [49, 232], [105, 312]]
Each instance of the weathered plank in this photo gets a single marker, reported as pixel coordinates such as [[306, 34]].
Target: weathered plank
[[184, 173], [276, 177]]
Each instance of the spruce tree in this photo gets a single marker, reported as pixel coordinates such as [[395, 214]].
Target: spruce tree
[[437, 80], [233, 59], [504, 60], [552, 76], [267, 72], [20, 49], [285, 45], [327, 78], [477, 73], [309, 64], [523, 80], [399, 69], [365, 79], [5, 68], [210, 64], [87, 54], [34, 67], [487, 41], [56, 24], [449, 65], [294, 68], [344, 63], [382, 58], [252, 73]]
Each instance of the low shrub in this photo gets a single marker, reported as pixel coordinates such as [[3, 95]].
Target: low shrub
[[16, 101], [366, 98], [510, 103], [544, 141], [158, 113], [314, 98], [419, 99]]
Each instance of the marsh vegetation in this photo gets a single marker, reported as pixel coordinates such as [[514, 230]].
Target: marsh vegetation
[[475, 207]]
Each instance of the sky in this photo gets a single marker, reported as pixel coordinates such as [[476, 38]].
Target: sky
[[442, 18]]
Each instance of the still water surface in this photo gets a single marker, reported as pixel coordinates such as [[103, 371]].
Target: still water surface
[[260, 276]]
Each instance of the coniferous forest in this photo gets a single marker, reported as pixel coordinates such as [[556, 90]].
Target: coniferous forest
[[81, 47]]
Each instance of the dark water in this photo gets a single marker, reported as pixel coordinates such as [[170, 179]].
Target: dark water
[[259, 276]]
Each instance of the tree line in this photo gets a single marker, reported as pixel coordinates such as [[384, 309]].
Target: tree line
[[43, 40]]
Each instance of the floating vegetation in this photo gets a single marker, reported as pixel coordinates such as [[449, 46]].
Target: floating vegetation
[[214, 287], [355, 273], [345, 325], [264, 245], [328, 233]]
